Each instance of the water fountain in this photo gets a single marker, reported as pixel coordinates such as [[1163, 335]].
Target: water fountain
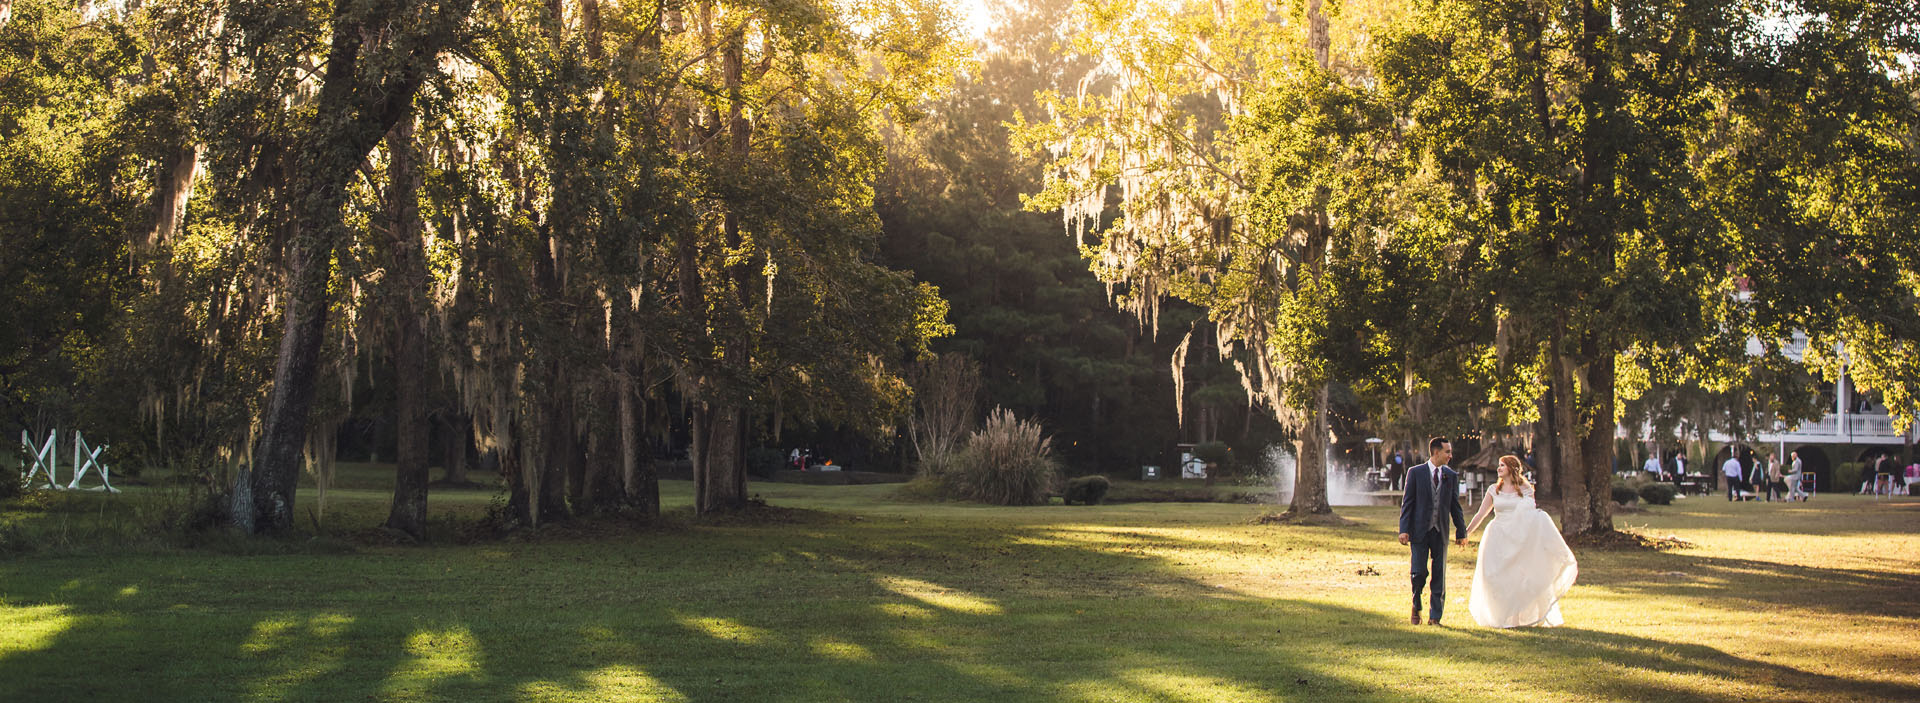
[[1342, 487]]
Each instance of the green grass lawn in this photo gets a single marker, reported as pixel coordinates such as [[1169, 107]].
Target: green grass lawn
[[881, 600]]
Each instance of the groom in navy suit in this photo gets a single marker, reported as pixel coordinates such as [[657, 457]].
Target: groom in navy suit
[[1433, 495]]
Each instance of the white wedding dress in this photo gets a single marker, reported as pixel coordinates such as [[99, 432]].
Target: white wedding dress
[[1524, 567]]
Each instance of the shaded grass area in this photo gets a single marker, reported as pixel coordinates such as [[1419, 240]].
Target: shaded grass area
[[876, 599]]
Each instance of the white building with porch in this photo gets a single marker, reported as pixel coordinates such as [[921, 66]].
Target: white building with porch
[[1857, 427]]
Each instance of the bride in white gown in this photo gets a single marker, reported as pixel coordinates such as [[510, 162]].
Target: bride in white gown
[[1524, 566]]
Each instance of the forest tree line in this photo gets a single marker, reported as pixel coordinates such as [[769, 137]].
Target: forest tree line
[[576, 234]]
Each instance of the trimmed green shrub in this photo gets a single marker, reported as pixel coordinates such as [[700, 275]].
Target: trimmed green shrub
[[1087, 490], [1657, 493], [1006, 462], [1624, 494], [1847, 477]]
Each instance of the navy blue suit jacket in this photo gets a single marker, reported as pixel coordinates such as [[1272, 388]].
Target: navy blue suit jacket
[[1416, 508]]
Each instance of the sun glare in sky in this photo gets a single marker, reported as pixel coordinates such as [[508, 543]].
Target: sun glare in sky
[[975, 16]]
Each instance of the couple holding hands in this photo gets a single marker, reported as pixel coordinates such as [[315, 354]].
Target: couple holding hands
[[1524, 566]]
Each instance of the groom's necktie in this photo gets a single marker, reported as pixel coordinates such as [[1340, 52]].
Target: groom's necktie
[[1436, 499]]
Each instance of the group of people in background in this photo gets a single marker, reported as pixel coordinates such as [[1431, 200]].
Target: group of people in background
[[806, 459], [1897, 477], [1766, 476], [1673, 471]]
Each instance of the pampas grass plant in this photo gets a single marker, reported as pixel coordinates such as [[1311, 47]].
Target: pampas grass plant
[[1008, 461]]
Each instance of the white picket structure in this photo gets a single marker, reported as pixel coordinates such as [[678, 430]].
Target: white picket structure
[[45, 460], [80, 449]]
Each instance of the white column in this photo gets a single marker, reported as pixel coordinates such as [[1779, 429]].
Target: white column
[[1843, 393]]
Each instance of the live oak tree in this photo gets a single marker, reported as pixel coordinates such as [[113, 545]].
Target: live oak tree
[[377, 54], [1224, 199], [1632, 216]]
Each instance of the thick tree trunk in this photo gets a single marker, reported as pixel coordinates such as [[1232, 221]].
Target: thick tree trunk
[[720, 472], [557, 450], [1310, 474], [275, 472], [408, 277], [697, 432], [1586, 441], [602, 488], [1596, 446], [637, 476], [351, 115], [720, 475], [629, 421], [1548, 466], [1546, 442], [513, 454], [1589, 441], [457, 436], [1569, 430]]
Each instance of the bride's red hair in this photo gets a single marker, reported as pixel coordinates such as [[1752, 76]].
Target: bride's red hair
[[1519, 473]]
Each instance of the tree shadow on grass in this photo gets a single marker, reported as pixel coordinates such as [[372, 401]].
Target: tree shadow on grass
[[1683, 659], [1822, 517], [1764, 584], [835, 612]]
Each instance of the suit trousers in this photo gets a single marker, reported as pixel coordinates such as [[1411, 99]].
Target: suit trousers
[[1432, 549]]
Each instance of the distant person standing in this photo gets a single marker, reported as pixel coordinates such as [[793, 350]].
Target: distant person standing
[[1886, 467], [1734, 474], [1756, 478], [1396, 469], [1652, 466], [1874, 469], [1775, 482], [1679, 468], [1795, 474]]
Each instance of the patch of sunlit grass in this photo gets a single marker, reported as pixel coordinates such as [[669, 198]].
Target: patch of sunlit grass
[[725, 629], [835, 648], [938, 596], [27, 628], [435, 655]]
